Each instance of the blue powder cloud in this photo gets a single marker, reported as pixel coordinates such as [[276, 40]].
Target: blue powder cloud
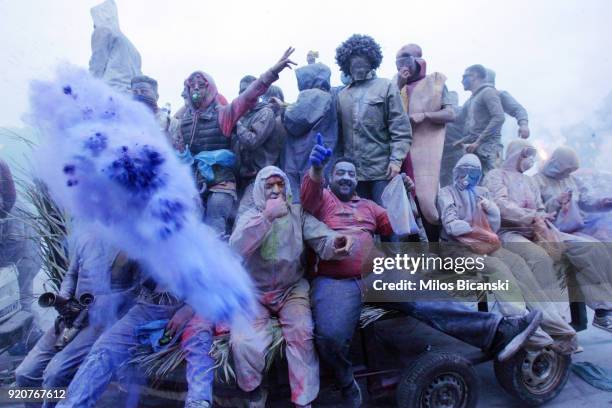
[[107, 163]]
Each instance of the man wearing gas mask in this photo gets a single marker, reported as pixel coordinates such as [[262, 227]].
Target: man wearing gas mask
[[204, 136], [524, 218], [336, 293], [470, 220], [426, 100], [374, 128]]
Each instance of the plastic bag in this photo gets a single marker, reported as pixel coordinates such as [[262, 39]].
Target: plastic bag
[[399, 210], [482, 240], [569, 218]]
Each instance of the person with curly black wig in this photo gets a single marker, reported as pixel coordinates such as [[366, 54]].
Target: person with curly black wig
[[375, 130]]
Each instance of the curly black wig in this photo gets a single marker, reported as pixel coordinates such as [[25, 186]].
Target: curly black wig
[[358, 44]]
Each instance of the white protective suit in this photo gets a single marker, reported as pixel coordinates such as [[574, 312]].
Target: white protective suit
[[519, 199], [556, 177], [457, 206], [114, 59]]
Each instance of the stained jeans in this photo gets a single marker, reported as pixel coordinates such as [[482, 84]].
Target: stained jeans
[[219, 208], [114, 348], [336, 305], [46, 367]]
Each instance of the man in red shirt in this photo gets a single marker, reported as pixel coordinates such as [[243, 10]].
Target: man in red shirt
[[336, 294]]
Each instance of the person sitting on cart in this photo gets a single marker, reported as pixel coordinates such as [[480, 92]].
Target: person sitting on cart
[[529, 229], [271, 237], [96, 269], [336, 293], [470, 220]]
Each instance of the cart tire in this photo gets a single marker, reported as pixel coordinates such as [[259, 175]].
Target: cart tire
[[534, 377], [436, 380]]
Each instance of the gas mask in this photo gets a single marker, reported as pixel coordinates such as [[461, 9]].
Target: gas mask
[[467, 177]]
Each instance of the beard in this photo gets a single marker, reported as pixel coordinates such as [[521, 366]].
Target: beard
[[344, 190]]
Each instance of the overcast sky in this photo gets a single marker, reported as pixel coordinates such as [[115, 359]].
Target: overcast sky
[[553, 56]]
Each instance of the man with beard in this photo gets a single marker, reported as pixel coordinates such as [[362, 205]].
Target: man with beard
[[374, 128], [336, 291], [260, 139], [524, 216], [204, 138], [271, 238], [484, 117], [144, 89], [426, 100]]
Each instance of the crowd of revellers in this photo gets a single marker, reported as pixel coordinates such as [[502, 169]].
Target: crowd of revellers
[[296, 189]]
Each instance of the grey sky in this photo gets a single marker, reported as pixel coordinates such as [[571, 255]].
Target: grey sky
[[553, 56]]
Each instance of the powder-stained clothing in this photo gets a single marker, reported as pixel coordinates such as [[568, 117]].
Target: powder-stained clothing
[[426, 93], [313, 112], [250, 343], [278, 245], [260, 139], [483, 117], [519, 199], [114, 59], [360, 218], [95, 269], [552, 182], [210, 127], [375, 129], [272, 252], [512, 107], [457, 207]]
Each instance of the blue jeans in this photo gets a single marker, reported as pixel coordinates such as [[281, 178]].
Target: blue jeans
[[336, 305], [372, 190], [46, 367], [114, 348], [219, 207]]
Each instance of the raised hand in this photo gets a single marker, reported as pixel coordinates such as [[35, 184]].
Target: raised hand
[[283, 62], [319, 156]]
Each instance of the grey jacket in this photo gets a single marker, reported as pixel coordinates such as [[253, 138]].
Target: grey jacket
[[484, 115], [260, 140]]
